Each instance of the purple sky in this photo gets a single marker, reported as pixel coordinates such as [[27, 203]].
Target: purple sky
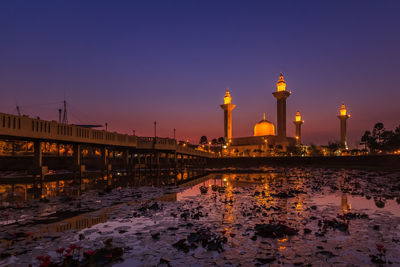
[[129, 63]]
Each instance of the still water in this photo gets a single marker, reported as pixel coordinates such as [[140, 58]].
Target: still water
[[230, 205]]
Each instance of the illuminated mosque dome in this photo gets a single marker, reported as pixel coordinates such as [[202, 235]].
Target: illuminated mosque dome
[[264, 127]]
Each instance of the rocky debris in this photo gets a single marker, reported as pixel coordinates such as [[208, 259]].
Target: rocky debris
[[145, 227], [274, 230], [380, 257], [287, 194], [203, 237], [266, 260], [333, 224], [77, 255], [352, 216], [203, 189]]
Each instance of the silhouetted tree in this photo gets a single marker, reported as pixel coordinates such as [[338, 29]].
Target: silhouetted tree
[[221, 141], [314, 151], [365, 139], [214, 142], [381, 139], [377, 132], [203, 140], [293, 151], [333, 147]]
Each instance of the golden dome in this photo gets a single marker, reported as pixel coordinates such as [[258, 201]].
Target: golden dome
[[264, 127]]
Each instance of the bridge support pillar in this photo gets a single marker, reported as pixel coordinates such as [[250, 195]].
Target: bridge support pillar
[[38, 167], [104, 160], [77, 159], [38, 158], [157, 159], [126, 160]]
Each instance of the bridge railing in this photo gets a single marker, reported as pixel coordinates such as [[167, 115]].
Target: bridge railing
[[24, 127], [37, 129]]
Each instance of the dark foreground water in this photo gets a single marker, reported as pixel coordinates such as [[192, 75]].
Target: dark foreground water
[[290, 217]]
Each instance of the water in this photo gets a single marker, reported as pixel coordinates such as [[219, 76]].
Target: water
[[298, 197]]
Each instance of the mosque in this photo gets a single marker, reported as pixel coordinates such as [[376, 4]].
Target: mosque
[[267, 139]]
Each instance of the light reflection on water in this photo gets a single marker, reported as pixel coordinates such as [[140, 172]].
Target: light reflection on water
[[345, 191], [22, 192], [344, 201]]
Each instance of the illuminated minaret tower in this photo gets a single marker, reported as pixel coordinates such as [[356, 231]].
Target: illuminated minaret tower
[[281, 94], [227, 107], [343, 118], [298, 122]]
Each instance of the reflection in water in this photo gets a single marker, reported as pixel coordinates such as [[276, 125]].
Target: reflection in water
[[22, 192], [269, 195]]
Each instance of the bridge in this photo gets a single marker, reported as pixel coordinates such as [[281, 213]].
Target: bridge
[[136, 151]]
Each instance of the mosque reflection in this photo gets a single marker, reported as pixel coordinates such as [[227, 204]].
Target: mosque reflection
[[261, 189]]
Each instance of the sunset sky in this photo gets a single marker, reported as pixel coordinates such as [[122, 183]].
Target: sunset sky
[[129, 63]]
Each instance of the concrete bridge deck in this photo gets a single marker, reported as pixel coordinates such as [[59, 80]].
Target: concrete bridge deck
[[30, 129], [136, 151]]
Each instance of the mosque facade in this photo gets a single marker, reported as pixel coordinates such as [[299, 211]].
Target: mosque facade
[[267, 139]]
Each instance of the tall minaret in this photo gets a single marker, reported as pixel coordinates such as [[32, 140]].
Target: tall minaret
[[298, 122], [281, 94], [343, 118], [227, 107]]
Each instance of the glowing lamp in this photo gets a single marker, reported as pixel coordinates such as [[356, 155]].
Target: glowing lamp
[[281, 85], [343, 111], [227, 98], [298, 116]]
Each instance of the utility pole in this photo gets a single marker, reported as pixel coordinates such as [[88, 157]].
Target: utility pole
[[59, 115], [18, 111], [155, 128], [65, 118]]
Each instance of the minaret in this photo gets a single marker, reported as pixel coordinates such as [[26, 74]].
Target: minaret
[[343, 118], [298, 122], [227, 107], [281, 94]]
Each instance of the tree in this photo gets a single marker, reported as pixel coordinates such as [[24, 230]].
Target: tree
[[214, 142], [221, 141], [366, 139], [314, 151], [293, 150], [381, 139], [203, 140], [333, 147], [377, 133], [387, 141]]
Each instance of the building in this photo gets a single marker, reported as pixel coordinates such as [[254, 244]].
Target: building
[[265, 140]]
